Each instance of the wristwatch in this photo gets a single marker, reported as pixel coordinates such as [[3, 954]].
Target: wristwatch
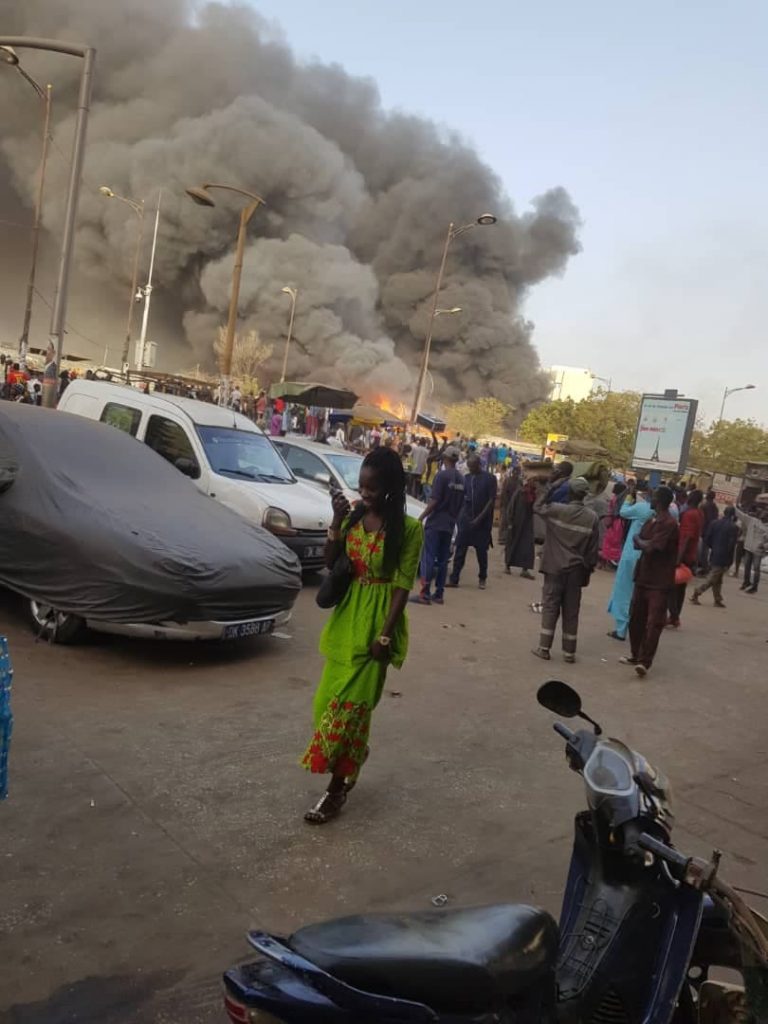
[[385, 641]]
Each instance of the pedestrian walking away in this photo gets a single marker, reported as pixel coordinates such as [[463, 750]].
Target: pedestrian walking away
[[517, 532], [657, 543], [691, 523], [475, 521], [720, 542], [710, 513], [440, 518], [755, 546], [368, 629], [570, 555], [419, 458], [636, 514]]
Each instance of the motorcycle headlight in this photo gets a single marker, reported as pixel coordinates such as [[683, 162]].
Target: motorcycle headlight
[[277, 521]]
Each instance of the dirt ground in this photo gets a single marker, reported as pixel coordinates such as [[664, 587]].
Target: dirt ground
[[155, 810]]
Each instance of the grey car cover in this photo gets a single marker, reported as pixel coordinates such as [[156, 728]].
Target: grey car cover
[[98, 525]]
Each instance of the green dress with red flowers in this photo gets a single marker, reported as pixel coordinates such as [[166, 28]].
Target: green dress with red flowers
[[352, 681]]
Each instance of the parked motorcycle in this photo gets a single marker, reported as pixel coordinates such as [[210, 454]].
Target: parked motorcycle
[[641, 928]]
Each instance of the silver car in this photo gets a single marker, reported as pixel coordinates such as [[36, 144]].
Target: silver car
[[327, 466]]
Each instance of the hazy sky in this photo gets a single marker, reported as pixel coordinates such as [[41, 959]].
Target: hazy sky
[[653, 116]]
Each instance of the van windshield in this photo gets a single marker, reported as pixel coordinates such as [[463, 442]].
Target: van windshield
[[244, 455]]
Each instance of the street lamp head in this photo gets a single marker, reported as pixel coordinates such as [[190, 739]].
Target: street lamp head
[[106, 191], [290, 291], [486, 218], [750, 387], [200, 195], [448, 312], [9, 55]]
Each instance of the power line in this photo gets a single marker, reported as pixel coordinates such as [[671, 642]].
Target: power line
[[67, 325]]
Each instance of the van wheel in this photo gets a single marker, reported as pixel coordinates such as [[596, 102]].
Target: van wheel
[[56, 627]]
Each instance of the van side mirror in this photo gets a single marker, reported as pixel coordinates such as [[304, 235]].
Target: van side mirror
[[323, 478], [188, 467]]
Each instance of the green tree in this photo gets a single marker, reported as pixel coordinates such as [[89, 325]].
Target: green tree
[[608, 418], [726, 445], [482, 418]]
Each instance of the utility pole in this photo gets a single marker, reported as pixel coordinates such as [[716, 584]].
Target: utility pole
[[146, 291]]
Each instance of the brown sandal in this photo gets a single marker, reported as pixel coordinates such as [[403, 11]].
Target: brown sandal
[[327, 807]]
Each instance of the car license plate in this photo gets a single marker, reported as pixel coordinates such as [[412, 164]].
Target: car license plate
[[238, 630], [316, 552]]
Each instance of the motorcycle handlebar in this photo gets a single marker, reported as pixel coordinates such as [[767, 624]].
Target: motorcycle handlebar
[[662, 851], [564, 731]]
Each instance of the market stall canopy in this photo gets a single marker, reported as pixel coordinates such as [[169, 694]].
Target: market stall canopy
[[322, 395], [372, 415]]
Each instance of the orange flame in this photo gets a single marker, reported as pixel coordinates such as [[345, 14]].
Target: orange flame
[[388, 405]]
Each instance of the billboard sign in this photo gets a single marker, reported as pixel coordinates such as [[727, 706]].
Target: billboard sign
[[727, 488], [664, 433]]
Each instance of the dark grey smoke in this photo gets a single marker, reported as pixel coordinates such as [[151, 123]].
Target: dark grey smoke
[[358, 200]]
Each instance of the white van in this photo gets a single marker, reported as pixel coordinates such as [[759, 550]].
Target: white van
[[225, 453]]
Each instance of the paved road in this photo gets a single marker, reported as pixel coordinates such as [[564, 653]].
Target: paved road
[[156, 803]]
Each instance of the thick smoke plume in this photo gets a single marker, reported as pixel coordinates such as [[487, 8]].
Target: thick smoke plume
[[358, 201]]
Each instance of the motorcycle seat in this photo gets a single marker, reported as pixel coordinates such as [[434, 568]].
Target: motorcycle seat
[[464, 961]]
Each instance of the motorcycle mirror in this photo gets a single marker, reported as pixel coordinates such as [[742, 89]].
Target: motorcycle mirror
[[560, 698], [563, 700]]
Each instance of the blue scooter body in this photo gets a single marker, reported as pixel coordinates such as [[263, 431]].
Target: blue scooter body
[[627, 935], [625, 946]]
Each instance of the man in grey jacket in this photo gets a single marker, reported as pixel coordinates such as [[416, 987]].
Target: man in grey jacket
[[570, 554], [755, 546]]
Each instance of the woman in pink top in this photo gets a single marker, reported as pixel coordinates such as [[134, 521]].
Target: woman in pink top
[[613, 540]]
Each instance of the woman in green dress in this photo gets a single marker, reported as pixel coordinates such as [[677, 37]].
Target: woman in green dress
[[368, 629]]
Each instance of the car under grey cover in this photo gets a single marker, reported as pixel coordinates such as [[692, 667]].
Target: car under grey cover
[[100, 526]]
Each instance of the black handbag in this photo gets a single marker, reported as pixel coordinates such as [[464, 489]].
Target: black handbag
[[336, 583]]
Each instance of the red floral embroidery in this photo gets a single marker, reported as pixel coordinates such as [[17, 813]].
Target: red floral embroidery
[[340, 744], [346, 766]]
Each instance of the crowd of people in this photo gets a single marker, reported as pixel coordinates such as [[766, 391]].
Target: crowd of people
[[659, 543]]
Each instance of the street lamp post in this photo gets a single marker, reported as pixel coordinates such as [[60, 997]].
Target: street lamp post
[[604, 380], [453, 232], [146, 292], [293, 292], [137, 205], [730, 391], [201, 195], [58, 312], [11, 58]]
